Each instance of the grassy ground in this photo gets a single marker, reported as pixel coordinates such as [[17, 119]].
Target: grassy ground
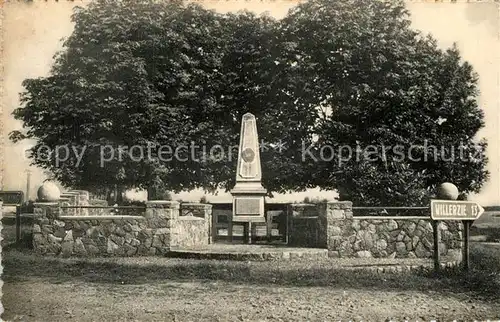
[[160, 289], [487, 227]]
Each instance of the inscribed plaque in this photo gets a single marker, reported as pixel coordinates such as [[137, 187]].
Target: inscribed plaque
[[247, 206]]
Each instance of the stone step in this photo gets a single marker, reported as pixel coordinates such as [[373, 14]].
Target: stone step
[[265, 255]]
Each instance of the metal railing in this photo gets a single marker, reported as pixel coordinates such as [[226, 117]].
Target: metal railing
[[380, 211], [109, 210], [394, 208], [103, 207]]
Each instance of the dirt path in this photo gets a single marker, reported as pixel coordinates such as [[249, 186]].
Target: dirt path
[[38, 288], [34, 299]]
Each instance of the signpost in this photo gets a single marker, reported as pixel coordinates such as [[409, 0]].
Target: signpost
[[455, 210], [14, 198], [466, 211]]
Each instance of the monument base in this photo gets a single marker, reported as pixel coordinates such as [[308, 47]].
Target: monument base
[[249, 219], [248, 208], [249, 188], [249, 228]]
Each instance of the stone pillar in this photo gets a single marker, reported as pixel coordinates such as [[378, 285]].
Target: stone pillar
[[161, 217], [63, 202], [452, 241], [201, 210], [83, 200], [207, 208], [45, 224], [335, 220], [72, 198], [46, 209]]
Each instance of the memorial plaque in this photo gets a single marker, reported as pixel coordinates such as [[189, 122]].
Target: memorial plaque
[[247, 206]]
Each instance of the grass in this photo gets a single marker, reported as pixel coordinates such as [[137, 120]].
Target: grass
[[487, 227], [482, 280], [483, 277], [43, 288], [20, 262]]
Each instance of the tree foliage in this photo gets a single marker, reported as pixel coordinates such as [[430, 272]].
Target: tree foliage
[[345, 75], [391, 92]]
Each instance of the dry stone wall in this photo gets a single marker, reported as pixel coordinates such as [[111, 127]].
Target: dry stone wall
[[333, 226], [154, 233], [387, 237], [195, 224], [165, 225], [191, 232]]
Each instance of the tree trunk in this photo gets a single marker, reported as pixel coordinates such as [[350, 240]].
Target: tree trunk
[[119, 195]]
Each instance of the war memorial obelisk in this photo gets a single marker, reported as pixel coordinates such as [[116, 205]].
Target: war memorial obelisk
[[248, 192]]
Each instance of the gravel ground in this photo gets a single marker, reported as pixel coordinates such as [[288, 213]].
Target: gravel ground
[[161, 289], [36, 300]]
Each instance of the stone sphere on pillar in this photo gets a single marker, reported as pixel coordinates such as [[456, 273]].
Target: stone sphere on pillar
[[447, 191], [49, 191]]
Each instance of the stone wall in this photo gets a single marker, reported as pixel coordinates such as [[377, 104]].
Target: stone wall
[[75, 198], [154, 233], [332, 225], [200, 232], [191, 232], [165, 225], [379, 236], [69, 199]]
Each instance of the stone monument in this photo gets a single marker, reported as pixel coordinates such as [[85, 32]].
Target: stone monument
[[248, 192]]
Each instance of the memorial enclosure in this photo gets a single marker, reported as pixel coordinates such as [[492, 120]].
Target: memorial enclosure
[[73, 228]]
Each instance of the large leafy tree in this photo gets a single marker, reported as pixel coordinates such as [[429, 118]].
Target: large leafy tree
[[408, 107], [150, 74], [339, 74]]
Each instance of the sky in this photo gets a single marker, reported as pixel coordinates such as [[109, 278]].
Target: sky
[[32, 33]]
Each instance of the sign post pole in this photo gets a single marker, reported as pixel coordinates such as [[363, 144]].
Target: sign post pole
[[436, 235], [467, 224], [465, 211]]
